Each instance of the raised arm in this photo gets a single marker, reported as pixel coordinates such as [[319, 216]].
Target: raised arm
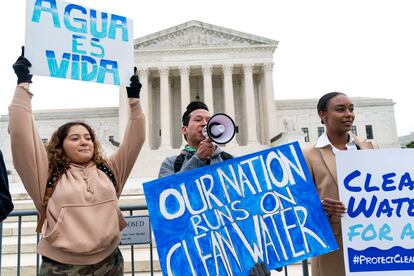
[[124, 159], [29, 154]]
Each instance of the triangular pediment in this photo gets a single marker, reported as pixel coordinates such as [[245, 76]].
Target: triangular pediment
[[196, 34]]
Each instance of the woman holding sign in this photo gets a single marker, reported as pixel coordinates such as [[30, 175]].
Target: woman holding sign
[[337, 114], [74, 188]]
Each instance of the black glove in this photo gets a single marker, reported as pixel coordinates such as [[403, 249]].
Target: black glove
[[259, 269], [135, 87], [21, 68]]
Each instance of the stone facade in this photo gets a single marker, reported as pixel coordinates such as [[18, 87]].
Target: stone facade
[[229, 70]]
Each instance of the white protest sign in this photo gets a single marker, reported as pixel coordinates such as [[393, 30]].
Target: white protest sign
[[138, 230], [71, 41], [378, 229]]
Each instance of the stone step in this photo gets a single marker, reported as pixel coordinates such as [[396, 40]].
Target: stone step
[[10, 228]]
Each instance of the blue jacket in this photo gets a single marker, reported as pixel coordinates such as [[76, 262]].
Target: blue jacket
[[6, 205]]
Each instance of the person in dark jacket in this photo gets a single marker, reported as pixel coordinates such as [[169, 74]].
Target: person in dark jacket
[[6, 204]]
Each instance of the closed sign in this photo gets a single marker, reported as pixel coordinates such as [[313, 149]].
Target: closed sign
[[137, 231]]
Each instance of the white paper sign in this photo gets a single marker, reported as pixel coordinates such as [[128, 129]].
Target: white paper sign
[[377, 187], [138, 230], [71, 41]]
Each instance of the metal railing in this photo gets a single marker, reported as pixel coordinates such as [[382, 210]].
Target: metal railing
[[130, 208]]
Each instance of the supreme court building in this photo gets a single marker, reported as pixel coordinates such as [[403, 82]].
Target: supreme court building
[[230, 71]]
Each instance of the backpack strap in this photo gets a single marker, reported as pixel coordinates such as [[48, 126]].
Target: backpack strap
[[225, 156], [50, 188], [107, 170], [178, 163]]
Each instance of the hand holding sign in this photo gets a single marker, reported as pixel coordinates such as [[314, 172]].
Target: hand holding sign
[[333, 207], [259, 269], [21, 68]]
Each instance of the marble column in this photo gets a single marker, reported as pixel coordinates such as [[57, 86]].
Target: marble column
[[165, 107], [250, 108], [228, 94], [208, 87], [143, 78], [228, 90], [185, 91], [269, 102]]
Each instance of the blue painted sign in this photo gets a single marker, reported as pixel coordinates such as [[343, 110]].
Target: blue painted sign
[[223, 218], [378, 230], [72, 41]]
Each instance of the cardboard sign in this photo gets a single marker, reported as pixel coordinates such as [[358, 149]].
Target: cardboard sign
[[65, 40], [223, 218], [138, 230], [378, 230]]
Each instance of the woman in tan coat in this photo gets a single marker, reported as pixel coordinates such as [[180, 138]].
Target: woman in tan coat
[[337, 114], [73, 186]]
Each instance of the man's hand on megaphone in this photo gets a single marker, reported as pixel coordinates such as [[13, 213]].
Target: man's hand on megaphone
[[205, 150]]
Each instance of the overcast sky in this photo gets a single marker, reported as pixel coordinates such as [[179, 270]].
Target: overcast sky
[[364, 48]]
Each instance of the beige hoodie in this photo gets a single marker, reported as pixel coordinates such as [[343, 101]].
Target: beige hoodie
[[83, 221]]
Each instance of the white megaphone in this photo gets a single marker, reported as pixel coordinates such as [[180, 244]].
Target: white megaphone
[[220, 128]]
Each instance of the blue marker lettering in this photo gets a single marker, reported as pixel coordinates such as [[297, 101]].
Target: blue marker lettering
[[362, 207], [94, 29], [367, 182], [386, 179], [399, 202], [75, 75], [54, 69], [384, 230], [407, 231], [52, 9], [88, 76], [95, 44], [82, 24], [110, 67], [406, 181], [384, 208], [122, 25], [352, 231], [349, 178], [76, 43], [369, 233]]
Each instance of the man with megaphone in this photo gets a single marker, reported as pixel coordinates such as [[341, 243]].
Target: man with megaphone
[[202, 132]]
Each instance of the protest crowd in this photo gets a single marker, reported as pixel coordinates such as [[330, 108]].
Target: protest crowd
[[52, 175], [212, 213]]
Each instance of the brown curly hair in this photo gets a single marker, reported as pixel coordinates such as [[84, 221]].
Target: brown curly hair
[[58, 161]]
